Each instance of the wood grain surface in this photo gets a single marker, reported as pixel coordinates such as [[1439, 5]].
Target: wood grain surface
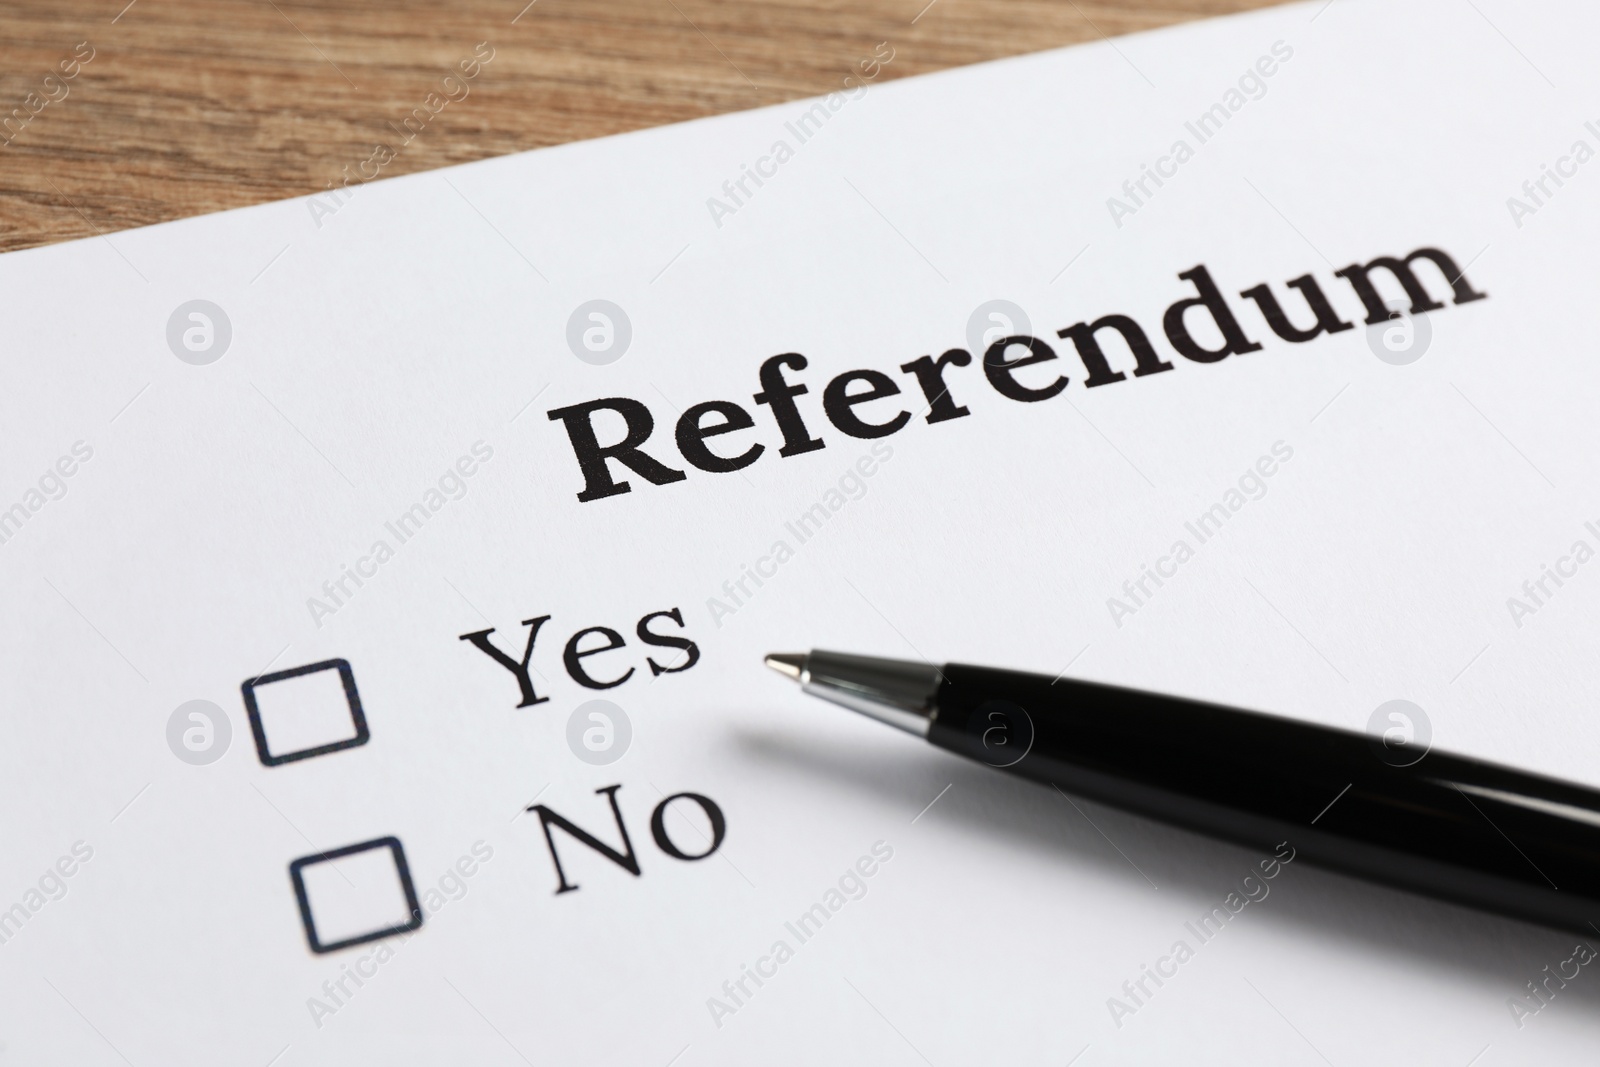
[[190, 106]]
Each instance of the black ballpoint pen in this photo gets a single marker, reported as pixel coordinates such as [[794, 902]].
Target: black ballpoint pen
[[1459, 829]]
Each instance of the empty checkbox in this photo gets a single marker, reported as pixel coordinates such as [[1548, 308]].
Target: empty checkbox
[[355, 894], [305, 711]]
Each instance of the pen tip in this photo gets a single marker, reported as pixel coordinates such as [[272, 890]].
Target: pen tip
[[788, 664]]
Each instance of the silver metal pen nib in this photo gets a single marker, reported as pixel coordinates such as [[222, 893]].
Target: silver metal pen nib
[[788, 664], [895, 691]]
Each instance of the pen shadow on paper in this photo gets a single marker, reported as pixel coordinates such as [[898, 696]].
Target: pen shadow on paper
[[1501, 953]]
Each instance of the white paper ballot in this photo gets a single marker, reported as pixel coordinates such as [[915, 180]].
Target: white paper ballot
[[388, 572]]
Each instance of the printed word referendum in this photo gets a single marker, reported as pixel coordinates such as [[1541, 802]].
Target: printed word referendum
[[1202, 328]]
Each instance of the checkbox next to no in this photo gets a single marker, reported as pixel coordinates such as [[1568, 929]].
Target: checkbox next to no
[[355, 894]]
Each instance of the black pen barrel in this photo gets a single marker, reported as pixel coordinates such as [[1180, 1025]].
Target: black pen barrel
[[1459, 829]]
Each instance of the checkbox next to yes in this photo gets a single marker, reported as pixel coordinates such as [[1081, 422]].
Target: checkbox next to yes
[[304, 712]]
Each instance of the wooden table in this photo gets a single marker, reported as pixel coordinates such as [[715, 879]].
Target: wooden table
[[189, 106]]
